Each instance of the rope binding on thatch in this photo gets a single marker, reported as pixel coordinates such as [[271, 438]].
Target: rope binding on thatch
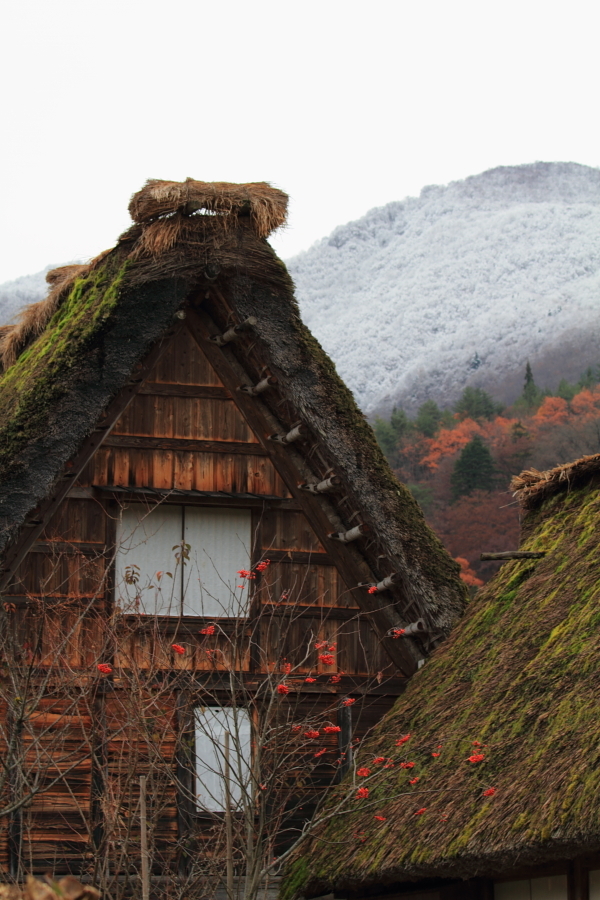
[[189, 217], [532, 487]]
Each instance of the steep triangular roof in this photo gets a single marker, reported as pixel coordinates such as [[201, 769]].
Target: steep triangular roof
[[198, 252], [503, 722]]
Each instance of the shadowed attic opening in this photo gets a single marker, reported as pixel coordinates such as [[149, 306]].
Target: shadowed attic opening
[[198, 215]]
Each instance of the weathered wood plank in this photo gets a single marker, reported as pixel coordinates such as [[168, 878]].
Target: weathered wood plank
[[187, 445], [197, 391]]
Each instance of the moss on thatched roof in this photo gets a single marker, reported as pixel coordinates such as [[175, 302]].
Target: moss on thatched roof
[[69, 356], [519, 675]]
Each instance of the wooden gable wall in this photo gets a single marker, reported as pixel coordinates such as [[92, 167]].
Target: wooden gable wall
[[182, 440]]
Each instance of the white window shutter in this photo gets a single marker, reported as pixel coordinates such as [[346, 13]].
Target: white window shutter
[[220, 541], [145, 538], [211, 724]]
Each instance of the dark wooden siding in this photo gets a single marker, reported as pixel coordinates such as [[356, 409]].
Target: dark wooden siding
[[182, 432]]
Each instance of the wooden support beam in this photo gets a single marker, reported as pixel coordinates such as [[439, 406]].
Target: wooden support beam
[[232, 334], [512, 554], [352, 567], [346, 537], [385, 584], [185, 778], [38, 519], [180, 496], [200, 392], [295, 434], [141, 442], [333, 483], [302, 557], [253, 390]]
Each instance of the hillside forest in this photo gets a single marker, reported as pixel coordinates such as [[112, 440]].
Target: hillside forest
[[458, 462]]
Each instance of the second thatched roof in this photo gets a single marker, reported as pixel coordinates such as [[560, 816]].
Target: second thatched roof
[[504, 723]]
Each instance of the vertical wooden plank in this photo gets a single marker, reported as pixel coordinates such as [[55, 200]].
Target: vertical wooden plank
[[183, 474]]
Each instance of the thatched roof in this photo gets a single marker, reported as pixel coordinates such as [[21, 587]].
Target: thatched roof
[[532, 487], [66, 361], [519, 675], [266, 205]]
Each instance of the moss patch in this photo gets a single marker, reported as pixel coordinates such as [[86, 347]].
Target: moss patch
[[43, 374]]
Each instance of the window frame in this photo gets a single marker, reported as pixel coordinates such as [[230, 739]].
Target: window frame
[[177, 611], [245, 738]]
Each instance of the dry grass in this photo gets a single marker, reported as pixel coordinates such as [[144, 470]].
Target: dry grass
[[531, 487], [266, 205], [34, 318]]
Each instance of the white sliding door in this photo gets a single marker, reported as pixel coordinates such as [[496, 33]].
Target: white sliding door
[[550, 887], [220, 541], [145, 538], [211, 725]]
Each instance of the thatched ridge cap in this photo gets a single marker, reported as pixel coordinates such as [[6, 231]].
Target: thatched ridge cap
[[265, 204], [532, 487]]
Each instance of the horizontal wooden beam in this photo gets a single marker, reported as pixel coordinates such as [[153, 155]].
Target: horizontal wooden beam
[[300, 557], [180, 496], [201, 392], [69, 547], [306, 611], [511, 554], [186, 445]]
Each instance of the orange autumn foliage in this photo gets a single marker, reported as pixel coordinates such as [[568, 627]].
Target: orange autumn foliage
[[448, 442], [467, 574], [554, 410], [558, 431]]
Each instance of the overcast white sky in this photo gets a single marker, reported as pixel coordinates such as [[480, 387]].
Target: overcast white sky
[[345, 105]]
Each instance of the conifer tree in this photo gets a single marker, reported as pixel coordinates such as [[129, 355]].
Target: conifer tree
[[389, 433], [531, 393], [474, 470], [475, 403], [429, 419]]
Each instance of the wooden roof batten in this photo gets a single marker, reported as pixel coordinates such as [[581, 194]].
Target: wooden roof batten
[[187, 289]]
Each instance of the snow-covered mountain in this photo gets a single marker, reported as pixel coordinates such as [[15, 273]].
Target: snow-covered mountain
[[461, 285]]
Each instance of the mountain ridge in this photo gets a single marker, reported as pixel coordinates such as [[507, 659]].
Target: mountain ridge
[[460, 286]]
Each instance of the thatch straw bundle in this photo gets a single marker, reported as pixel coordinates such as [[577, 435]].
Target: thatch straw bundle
[[531, 487], [63, 274], [266, 205], [33, 319]]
